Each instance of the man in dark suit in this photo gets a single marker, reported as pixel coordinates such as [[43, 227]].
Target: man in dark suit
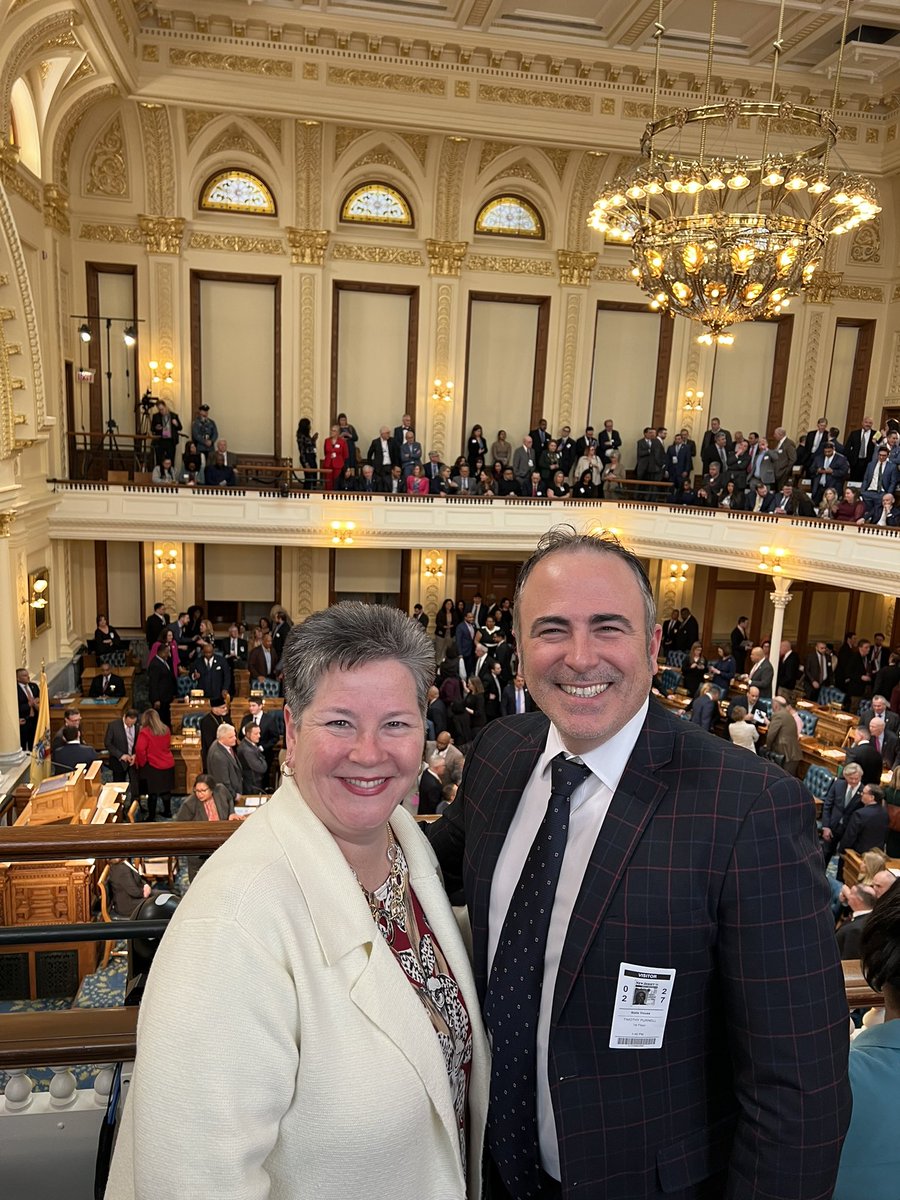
[[263, 661], [383, 452], [106, 683], [269, 728], [233, 648], [437, 713], [540, 438], [566, 448], [843, 798], [705, 708], [400, 431], [886, 514], [884, 741], [587, 439], [864, 753], [858, 680], [859, 449], [209, 725], [28, 697], [431, 786], [72, 752], [740, 643], [689, 631], [860, 900], [156, 623], [516, 698], [650, 457], [788, 666], [878, 707], [867, 828], [119, 740], [813, 443], [211, 671], [817, 672], [679, 464], [887, 678], [709, 439], [493, 690], [830, 469], [161, 683], [640, 892], [608, 441]]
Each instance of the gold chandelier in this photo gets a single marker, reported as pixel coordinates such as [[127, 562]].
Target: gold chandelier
[[721, 237]]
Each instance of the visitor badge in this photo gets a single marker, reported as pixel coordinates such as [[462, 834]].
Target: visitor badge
[[641, 1007]]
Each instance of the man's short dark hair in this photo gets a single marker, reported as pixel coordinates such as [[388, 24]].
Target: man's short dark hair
[[70, 734], [132, 712]]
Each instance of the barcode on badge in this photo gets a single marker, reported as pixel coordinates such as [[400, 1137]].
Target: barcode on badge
[[636, 1041]]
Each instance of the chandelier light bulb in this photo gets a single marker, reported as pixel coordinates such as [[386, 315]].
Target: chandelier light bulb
[[773, 176]]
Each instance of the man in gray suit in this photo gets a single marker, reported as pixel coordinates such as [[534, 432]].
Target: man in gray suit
[[765, 465], [222, 762], [119, 740], [761, 672], [523, 463]]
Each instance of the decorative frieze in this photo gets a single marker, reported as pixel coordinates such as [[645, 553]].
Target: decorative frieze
[[244, 64], [235, 243], [129, 235], [391, 81], [509, 264], [538, 98], [351, 252]]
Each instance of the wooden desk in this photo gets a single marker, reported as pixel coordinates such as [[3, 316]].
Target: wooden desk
[[180, 708], [95, 716], [125, 673]]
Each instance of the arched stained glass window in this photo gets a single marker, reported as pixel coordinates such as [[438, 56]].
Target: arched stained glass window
[[377, 204], [237, 191], [510, 216]]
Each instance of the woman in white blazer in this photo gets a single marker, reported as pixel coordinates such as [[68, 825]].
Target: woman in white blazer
[[310, 1026]]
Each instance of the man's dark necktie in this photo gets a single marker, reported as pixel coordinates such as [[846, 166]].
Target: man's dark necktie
[[513, 996]]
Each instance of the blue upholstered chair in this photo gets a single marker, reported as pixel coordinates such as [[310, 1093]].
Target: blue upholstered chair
[[184, 683], [818, 780], [809, 721], [765, 705], [831, 695], [268, 687], [669, 680], [117, 658], [191, 720], [675, 658]]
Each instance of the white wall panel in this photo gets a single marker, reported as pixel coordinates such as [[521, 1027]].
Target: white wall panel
[[500, 375], [367, 571], [743, 379], [239, 573], [373, 339], [116, 295], [237, 346], [623, 378], [843, 353], [123, 571]]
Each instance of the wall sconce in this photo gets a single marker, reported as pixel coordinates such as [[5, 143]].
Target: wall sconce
[[341, 533], [770, 559], [166, 560], [129, 336], [155, 376], [433, 565], [84, 332], [678, 572], [693, 401], [443, 390], [38, 587]]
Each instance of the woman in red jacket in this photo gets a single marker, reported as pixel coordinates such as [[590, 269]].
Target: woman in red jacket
[[153, 753], [336, 455], [417, 484]]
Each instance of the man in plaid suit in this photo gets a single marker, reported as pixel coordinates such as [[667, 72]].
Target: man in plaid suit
[[681, 858]]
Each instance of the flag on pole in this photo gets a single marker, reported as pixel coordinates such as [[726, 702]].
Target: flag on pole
[[40, 754]]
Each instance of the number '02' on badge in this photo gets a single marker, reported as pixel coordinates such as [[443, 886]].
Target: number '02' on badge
[[641, 1007]]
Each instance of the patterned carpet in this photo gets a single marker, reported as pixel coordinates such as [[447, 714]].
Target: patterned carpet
[[104, 988]]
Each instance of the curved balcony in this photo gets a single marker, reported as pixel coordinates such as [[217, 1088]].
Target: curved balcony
[[864, 557]]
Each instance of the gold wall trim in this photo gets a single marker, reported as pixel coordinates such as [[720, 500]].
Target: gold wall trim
[[536, 98], [127, 234], [350, 252], [244, 64], [236, 243], [509, 264], [614, 274], [420, 85]]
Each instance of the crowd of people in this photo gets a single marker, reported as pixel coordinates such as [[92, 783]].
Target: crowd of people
[[856, 482]]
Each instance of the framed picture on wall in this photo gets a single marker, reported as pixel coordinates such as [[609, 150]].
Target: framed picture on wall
[[39, 600]]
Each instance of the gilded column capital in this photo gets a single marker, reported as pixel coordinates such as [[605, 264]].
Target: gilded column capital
[[445, 258], [162, 235], [56, 208], [9, 154], [576, 267], [6, 523], [308, 246]]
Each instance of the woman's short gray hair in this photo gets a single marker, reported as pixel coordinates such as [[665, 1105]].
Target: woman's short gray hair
[[351, 635]]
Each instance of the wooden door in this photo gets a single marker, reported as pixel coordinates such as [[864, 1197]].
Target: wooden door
[[492, 580]]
